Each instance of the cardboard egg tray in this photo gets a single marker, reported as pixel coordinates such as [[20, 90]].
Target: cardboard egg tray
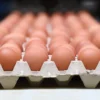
[[90, 78]]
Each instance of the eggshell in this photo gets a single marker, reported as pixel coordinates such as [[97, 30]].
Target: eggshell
[[29, 16], [59, 38], [62, 57], [96, 40], [19, 30], [60, 27], [12, 45], [55, 45], [57, 19], [10, 21], [60, 34], [41, 22], [9, 57], [90, 56], [84, 33], [34, 42], [19, 39], [40, 34], [83, 44], [24, 24], [15, 42], [35, 57], [73, 22], [1, 34], [4, 30], [76, 42], [87, 19]]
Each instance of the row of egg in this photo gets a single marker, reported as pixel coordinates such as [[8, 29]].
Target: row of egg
[[71, 35]]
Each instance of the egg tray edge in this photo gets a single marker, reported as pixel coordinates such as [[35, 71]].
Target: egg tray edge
[[90, 78]]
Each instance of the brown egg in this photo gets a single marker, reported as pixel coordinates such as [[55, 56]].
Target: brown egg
[[57, 19], [4, 30], [73, 23], [10, 21], [96, 40], [90, 56], [34, 41], [41, 22], [11, 15], [60, 32], [35, 57], [87, 19], [1, 35], [29, 17], [19, 39], [59, 38], [83, 33], [78, 42], [56, 44], [32, 45], [83, 44], [60, 27], [78, 39], [24, 24], [8, 57], [40, 34], [12, 45], [36, 45], [62, 57], [20, 31]]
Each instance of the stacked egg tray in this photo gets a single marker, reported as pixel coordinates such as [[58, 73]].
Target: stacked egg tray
[[9, 79], [48, 70], [90, 78]]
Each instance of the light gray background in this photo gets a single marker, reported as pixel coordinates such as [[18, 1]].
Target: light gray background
[[50, 94]]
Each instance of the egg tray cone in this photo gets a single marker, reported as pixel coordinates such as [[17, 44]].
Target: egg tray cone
[[90, 78]]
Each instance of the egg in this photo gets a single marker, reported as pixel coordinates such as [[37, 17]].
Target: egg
[[19, 30], [63, 56], [83, 33], [96, 40], [90, 56], [4, 30], [73, 22], [9, 56], [59, 38], [59, 30], [12, 45], [40, 34], [78, 39], [83, 44], [34, 42], [10, 21], [35, 57], [24, 24], [60, 27], [77, 42], [57, 19], [60, 34], [56, 43], [19, 39], [87, 19], [41, 22], [1, 34], [15, 42]]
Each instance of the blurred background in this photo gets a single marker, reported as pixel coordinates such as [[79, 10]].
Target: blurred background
[[50, 6]]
